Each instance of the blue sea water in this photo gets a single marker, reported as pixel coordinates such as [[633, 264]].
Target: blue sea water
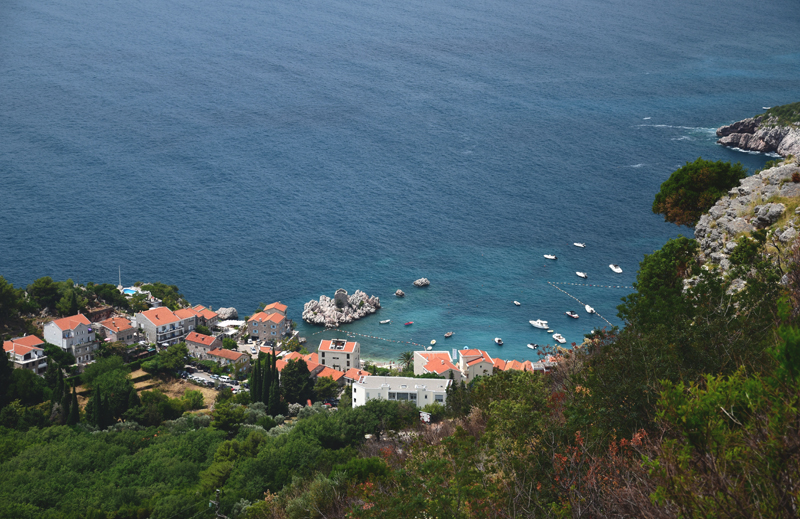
[[258, 150]]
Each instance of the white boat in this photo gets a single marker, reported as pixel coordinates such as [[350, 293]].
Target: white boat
[[387, 321], [550, 256], [559, 339], [582, 275], [615, 268], [429, 348], [538, 323], [516, 303], [571, 314], [498, 341], [550, 331], [589, 309], [766, 107], [448, 335], [433, 343], [581, 245], [533, 346]]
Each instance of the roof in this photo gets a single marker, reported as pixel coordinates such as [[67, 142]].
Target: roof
[[160, 315], [205, 312], [312, 357], [438, 361], [473, 357], [117, 324], [72, 322], [23, 345], [280, 307], [227, 354], [335, 374], [338, 345], [200, 338], [185, 313], [355, 374], [29, 340], [265, 317], [281, 363], [515, 365], [499, 364], [401, 383], [269, 350]]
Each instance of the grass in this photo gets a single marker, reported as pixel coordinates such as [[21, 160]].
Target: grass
[[785, 114], [791, 205]]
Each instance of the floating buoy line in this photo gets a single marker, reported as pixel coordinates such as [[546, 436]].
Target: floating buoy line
[[578, 300]]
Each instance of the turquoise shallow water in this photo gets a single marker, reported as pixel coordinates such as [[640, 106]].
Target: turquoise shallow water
[[258, 151]]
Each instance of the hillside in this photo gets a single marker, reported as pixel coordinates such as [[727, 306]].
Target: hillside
[[775, 131]]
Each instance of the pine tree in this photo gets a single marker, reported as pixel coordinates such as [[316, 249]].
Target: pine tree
[[74, 411]]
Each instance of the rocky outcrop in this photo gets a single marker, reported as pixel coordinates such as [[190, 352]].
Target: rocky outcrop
[[226, 314], [746, 209], [761, 134], [341, 309], [400, 293], [422, 282]]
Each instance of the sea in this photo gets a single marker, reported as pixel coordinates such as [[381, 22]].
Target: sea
[[252, 151]]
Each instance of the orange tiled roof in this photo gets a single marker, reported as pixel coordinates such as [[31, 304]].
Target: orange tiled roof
[[335, 374], [71, 322], [23, 345], [499, 364], [160, 315], [31, 341], [205, 312], [312, 357], [515, 365], [117, 324], [276, 306], [355, 374], [482, 357], [269, 350], [262, 317], [438, 361], [349, 347], [227, 354], [200, 338], [185, 313]]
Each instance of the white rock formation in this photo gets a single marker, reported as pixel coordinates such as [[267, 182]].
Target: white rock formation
[[400, 293], [341, 309], [226, 314], [422, 282]]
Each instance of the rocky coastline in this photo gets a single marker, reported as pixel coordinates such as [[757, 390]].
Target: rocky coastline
[[762, 133], [341, 309]]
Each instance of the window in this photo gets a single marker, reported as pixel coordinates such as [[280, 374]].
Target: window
[[348, 356], [392, 396], [323, 354], [412, 396], [439, 398], [348, 363]]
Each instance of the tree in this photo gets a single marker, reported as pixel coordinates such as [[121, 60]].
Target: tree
[[406, 359], [202, 329], [44, 291], [74, 410], [274, 404], [229, 344], [692, 189], [9, 300], [325, 388], [58, 356], [68, 304], [296, 382]]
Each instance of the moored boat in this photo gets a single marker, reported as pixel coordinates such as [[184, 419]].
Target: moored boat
[[559, 338], [572, 314], [498, 341], [448, 335], [516, 303], [409, 323], [539, 323], [615, 268], [582, 275], [387, 321], [433, 343], [533, 346], [581, 245], [589, 309], [550, 256]]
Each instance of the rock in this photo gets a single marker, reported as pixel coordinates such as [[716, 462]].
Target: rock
[[422, 282], [730, 246], [400, 293], [768, 214], [227, 314], [341, 309], [717, 257], [758, 134], [788, 235], [738, 225], [737, 285], [744, 126]]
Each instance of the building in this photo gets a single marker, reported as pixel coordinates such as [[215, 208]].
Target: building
[[420, 391], [73, 334], [340, 354], [117, 329], [438, 362], [206, 316], [267, 326], [474, 363], [27, 353], [335, 374], [199, 345], [188, 317], [240, 362], [161, 325], [353, 374], [314, 368]]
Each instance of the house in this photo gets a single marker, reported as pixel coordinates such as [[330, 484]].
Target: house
[[420, 391], [438, 362], [314, 367], [340, 354], [117, 329], [73, 334], [353, 374], [188, 317], [26, 353], [474, 363], [206, 316], [161, 325], [199, 345], [276, 307], [335, 374], [269, 326], [239, 361]]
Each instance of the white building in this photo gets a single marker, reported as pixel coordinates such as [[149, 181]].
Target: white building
[[439, 362], [419, 391], [162, 326], [73, 334], [474, 363], [340, 354]]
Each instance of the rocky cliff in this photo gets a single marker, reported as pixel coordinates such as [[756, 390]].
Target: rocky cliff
[[341, 309], [777, 130]]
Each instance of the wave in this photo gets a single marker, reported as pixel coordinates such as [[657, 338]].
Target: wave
[[690, 128], [636, 166], [682, 138]]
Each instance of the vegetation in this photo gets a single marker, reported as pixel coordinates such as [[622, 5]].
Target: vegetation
[[694, 188], [785, 114]]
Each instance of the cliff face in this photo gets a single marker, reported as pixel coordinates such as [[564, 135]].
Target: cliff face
[[762, 133]]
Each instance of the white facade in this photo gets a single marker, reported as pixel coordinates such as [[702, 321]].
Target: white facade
[[419, 391], [339, 354], [475, 363], [72, 335]]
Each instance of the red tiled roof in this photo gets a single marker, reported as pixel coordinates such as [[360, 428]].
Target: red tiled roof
[[269, 350], [160, 315], [23, 345], [335, 374], [276, 306], [205, 312], [227, 354], [312, 357], [117, 324], [355, 374], [499, 364], [481, 356], [200, 338], [71, 322], [185, 313], [349, 347], [262, 317], [438, 361], [31, 341], [281, 363], [515, 365]]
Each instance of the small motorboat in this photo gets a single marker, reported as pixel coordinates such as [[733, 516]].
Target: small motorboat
[[533, 346], [465, 348], [615, 268], [550, 257], [766, 107], [559, 338], [582, 275], [409, 323], [581, 245], [516, 303], [433, 343], [498, 341], [572, 314], [538, 323], [387, 321], [429, 348], [448, 335], [549, 331], [589, 309]]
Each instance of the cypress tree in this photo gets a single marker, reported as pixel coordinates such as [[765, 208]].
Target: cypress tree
[[105, 416], [74, 411], [255, 385], [265, 387], [94, 414], [59, 392], [133, 399], [274, 399], [65, 406]]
